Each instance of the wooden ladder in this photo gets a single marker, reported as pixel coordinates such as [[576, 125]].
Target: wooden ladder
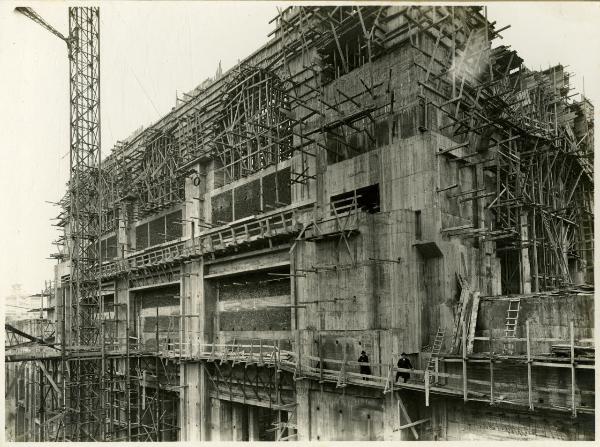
[[438, 342], [512, 316]]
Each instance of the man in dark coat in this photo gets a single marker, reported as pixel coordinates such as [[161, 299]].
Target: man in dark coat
[[364, 369], [403, 362]]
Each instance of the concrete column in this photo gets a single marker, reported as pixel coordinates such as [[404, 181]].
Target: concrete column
[[196, 403], [390, 419], [221, 420], [253, 427], [239, 422], [204, 406], [192, 415], [226, 421], [303, 410], [215, 409]]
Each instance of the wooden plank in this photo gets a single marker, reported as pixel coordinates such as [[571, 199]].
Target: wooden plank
[[464, 361], [491, 368], [551, 364], [405, 413], [585, 366], [572, 341], [412, 424], [464, 301], [426, 388], [47, 374], [473, 322]]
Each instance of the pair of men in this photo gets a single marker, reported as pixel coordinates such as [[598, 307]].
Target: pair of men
[[403, 362]]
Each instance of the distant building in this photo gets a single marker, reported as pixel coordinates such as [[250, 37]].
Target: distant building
[[19, 305]]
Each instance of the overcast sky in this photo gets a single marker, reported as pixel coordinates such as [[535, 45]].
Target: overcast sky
[[150, 51]]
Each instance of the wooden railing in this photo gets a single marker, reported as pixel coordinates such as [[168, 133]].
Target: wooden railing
[[343, 372], [287, 221], [283, 222]]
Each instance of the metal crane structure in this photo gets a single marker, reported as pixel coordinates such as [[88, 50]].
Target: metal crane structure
[[81, 374]]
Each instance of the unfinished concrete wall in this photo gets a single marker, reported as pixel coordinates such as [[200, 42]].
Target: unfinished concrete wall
[[549, 319], [385, 294], [480, 422], [157, 317]]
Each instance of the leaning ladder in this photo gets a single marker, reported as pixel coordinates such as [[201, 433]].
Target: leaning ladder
[[512, 316], [435, 350]]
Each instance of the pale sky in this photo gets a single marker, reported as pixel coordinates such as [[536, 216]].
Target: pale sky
[[150, 51]]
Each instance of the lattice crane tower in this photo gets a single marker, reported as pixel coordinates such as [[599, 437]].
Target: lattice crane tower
[[83, 234]]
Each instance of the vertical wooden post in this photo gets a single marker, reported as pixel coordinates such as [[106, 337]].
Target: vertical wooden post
[[529, 386], [407, 417], [40, 426], [182, 303], [434, 421], [392, 378], [299, 351], [30, 403], [426, 387], [572, 342], [320, 359], [157, 338], [127, 364], [143, 390], [260, 354], [436, 369], [278, 355], [491, 367], [464, 359]]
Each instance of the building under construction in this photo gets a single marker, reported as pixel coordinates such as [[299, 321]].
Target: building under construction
[[386, 179]]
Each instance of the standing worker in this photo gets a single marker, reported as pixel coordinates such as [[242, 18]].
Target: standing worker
[[403, 362], [364, 369]]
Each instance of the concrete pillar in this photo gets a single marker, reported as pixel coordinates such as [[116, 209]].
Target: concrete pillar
[[303, 410], [188, 400], [196, 403], [390, 419], [204, 406], [221, 420], [253, 427], [215, 407], [195, 411], [239, 422], [226, 421]]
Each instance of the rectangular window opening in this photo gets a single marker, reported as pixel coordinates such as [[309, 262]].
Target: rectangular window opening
[[418, 226], [366, 199]]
